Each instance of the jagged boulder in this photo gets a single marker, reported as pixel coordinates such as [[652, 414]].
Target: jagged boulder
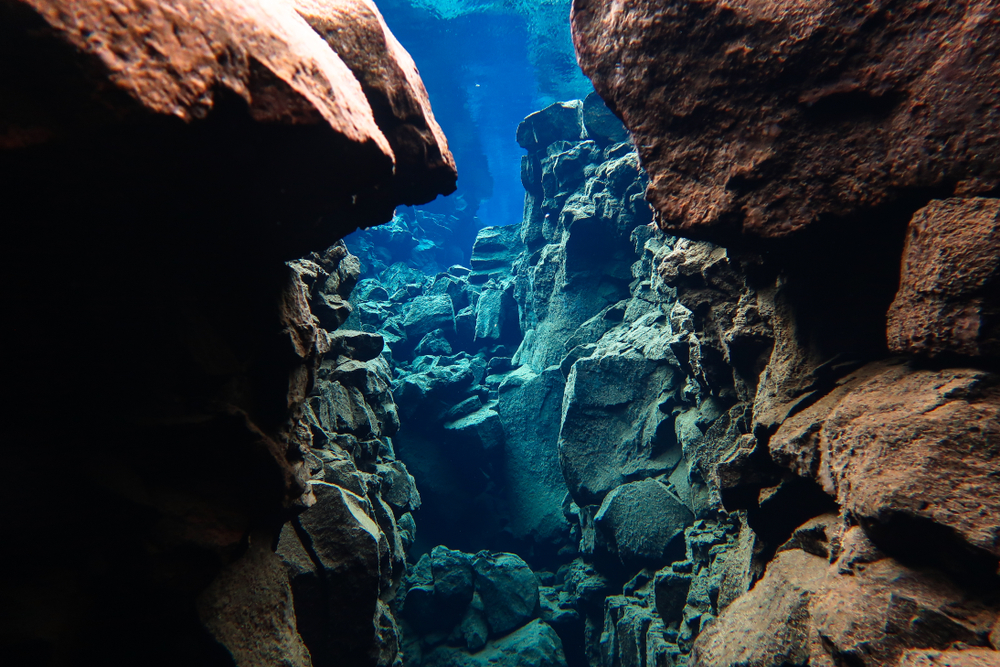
[[929, 452], [494, 253], [428, 313], [948, 300], [344, 547], [529, 412], [643, 521], [601, 124], [867, 608], [826, 124], [562, 121], [976, 657], [508, 589], [481, 429], [767, 637], [612, 425], [357, 345], [251, 595]]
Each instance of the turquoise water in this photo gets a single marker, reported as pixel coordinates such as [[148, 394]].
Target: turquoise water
[[486, 66]]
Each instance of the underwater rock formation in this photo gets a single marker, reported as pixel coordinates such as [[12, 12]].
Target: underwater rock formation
[[163, 161], [948, 302], [475, 609], [810, 110], [620, 386], [827, 148]]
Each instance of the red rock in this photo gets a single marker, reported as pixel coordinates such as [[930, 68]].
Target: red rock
[[162, 162], [755, 629], [949, 293], [252, 599], [758, 117], [893, 442], [326, 63], [864, 609], [976, 657]]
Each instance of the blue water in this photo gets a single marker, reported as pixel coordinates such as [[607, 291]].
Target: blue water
[[485, 70]]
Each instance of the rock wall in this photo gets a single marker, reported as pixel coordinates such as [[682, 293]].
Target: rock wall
[[824, 147], [571, 398], [162, 162]]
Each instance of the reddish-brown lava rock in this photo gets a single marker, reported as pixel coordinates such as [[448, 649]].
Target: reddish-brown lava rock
[[162, 160], [760, 117], [976, 657], [894, 444], [863, 609], [355, 30], [949, 293]]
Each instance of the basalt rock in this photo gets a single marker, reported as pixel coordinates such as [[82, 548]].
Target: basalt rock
[[172, 157], [949, 295], [464, 609], [810, 111], [643, 521], [863, 608], [789, 135], [930, 453]]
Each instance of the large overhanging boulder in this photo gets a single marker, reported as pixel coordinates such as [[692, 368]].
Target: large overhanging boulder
[[758, 118], [162, 162]]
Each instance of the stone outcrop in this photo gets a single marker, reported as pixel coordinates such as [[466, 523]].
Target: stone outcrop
[[827, 147], [948, 302], [621, 379], [163, 161], [900, 447], [860, 607], [463, 609], [811, 110]]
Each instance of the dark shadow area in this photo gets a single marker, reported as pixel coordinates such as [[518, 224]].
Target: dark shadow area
[[921, 543]]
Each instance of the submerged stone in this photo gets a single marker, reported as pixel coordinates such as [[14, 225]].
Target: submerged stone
[[508, 589], [644, 521]]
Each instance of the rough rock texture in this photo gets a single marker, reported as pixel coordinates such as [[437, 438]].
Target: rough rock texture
[[901, 447], [622, 386], [534, 645], [810, 110], [345, 555], [163, 161], [807, 138], [248, 608], [949, 294], [643, 521], [976, 657], [464, 609], [859, 608]]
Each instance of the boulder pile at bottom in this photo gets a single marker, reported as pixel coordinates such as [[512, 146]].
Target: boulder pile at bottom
[[461, 610]]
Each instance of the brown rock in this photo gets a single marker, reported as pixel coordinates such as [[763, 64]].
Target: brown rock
[[894, 444], [976, 657], [248, 609], [859, 611], [758, 118], [767, 627], [949, 293], [356, 32], [162, 162], [871, 614], [174, 57], [170, 56]]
